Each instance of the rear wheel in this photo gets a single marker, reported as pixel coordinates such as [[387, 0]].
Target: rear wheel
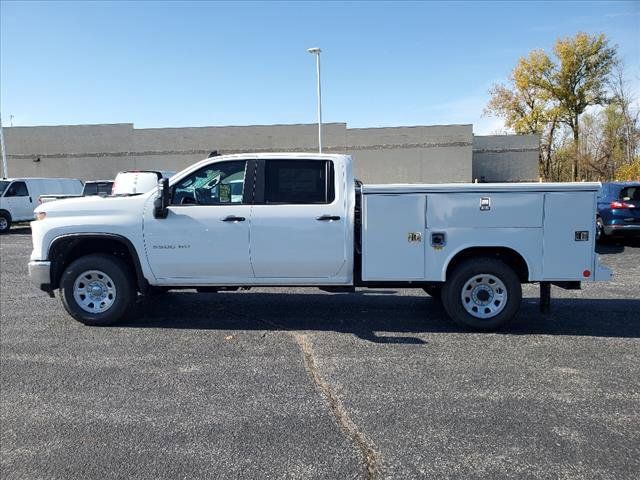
[[98, 290], [5, 222], [482, 293]]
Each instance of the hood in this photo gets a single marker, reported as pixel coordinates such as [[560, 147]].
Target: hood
[[93, 205]]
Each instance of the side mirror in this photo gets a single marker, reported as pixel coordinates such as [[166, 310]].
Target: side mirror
[[161, 203]]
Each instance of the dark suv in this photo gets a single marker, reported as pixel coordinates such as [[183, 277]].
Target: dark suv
[[618, 209]]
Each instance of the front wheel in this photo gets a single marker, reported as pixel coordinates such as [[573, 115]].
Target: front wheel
[[5, 222], [97, 289], [482, 293]]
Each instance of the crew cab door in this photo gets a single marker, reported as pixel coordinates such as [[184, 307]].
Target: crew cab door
[[18, 202], [298, 221], [205, 237]]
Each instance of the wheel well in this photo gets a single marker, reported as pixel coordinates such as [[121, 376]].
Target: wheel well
[[65, 250], [6, 213], [507, 255]]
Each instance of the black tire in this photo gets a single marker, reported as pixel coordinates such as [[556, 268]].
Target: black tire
[[122, 278], [434, 291], [5, 222], [491, 268]]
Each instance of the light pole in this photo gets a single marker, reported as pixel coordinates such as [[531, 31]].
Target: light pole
[[5, 172], [316, 51]]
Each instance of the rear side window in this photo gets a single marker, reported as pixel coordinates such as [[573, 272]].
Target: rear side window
[[630, 193], [17, 189], [299, 181]]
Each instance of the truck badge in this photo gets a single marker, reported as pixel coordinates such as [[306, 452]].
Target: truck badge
[[414, 237]]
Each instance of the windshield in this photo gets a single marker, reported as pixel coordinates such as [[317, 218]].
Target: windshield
[[3, 186]]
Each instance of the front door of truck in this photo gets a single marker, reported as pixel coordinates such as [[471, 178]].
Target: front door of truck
[[205, 237], [298, 221]]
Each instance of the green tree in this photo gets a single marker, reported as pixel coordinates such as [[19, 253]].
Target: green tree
[[525, 107], [577, 80], [544, 93]]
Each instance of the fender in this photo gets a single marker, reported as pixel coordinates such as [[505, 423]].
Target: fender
[[61, 245], [466, 249]]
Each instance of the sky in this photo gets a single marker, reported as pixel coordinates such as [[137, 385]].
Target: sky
[[177, 64]]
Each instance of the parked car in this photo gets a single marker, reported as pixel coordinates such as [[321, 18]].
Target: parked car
[[19, 196], [286, 219], [135, 182], [618, 211], [92, 187]]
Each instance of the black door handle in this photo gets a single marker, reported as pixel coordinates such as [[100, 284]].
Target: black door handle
[[327, 218], [233, 218], [30, 201]]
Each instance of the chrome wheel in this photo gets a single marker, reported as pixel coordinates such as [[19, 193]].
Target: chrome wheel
[[484, 296], [94, 291], [4, 225]]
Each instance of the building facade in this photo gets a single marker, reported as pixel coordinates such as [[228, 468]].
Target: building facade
[[417, 154]]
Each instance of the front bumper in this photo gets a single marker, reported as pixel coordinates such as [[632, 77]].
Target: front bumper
[[617, 229], [40, 274]]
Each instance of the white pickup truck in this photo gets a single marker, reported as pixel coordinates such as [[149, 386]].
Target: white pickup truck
[[286, 219]]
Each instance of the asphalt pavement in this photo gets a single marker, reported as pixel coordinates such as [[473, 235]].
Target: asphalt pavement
[[298, 383]]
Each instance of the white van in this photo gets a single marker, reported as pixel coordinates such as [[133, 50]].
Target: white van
[[135, 182], [19, 196]]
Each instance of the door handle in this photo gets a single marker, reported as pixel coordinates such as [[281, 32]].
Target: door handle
[[328, 218], [30, 201], [233, 218]]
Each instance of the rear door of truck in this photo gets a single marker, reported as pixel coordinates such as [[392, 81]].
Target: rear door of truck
[[298, 220]]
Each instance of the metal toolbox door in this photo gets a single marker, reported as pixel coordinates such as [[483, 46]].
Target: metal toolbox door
[[569, 230], [393, 231]]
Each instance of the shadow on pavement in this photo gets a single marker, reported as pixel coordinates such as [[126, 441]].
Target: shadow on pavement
[[617, 245], [364, 315], [19, 230]]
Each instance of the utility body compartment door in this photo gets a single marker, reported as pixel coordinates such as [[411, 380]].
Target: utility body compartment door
[[564, 257], [393, 230]]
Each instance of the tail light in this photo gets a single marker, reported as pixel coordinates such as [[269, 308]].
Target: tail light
[[621, 205]]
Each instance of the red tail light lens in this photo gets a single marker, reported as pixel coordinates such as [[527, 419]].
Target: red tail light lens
[[621, 205]]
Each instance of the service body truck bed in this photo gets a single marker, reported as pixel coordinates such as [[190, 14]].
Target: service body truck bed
[[287, 219]]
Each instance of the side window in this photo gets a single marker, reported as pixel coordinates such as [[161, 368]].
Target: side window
[[90, 189], [216, 184], [630, 193], [17, 189], [299, 181]]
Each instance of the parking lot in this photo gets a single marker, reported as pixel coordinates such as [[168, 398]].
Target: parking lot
[[267, 384]]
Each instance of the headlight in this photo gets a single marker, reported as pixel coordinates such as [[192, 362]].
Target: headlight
[[41, 215]]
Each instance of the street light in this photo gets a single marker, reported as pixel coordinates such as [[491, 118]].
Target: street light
[[316, 51]]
